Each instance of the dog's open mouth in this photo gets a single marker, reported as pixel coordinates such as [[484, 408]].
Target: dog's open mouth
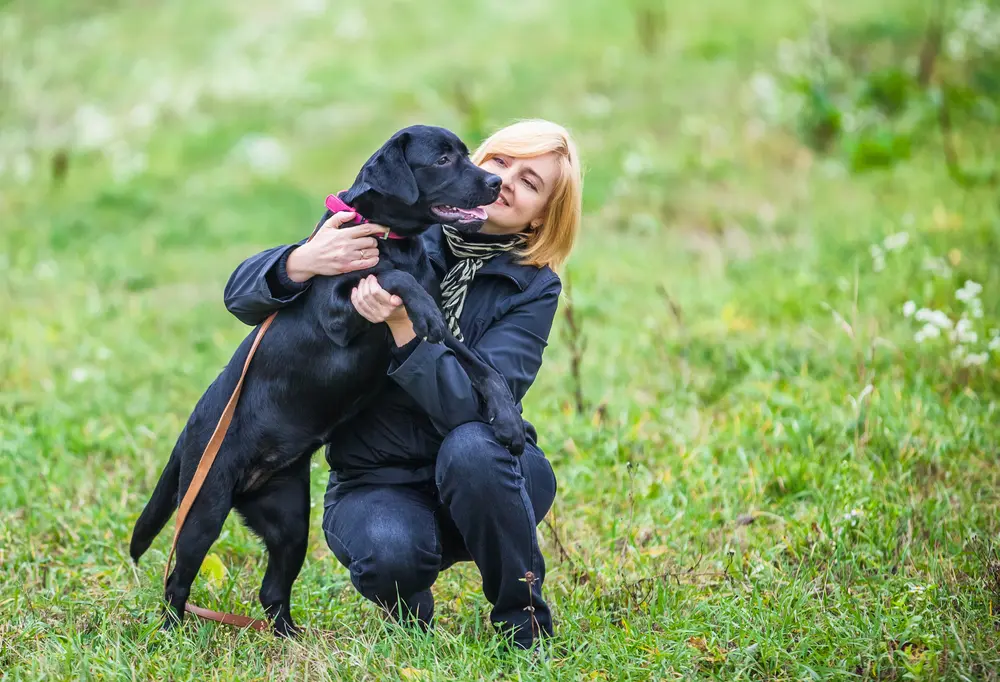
[[452, 214]]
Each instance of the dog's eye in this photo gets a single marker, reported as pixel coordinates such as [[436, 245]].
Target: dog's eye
[[442, 161]]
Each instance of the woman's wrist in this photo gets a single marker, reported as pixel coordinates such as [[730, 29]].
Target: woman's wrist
[[297, 265], [401, 330]]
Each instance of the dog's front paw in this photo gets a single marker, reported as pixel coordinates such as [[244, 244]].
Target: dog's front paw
[[508, 427], [171, 619], [429, 326]]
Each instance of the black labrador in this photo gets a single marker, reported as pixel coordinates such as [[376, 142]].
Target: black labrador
[[320, 364]]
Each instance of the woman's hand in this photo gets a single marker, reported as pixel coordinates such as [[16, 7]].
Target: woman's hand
[[334, 251], [375, 304]]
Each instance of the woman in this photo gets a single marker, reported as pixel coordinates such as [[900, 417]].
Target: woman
[[417, 481]]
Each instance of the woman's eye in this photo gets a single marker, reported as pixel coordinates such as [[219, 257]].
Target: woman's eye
[[530, 185], [500, 161], [443, 160]]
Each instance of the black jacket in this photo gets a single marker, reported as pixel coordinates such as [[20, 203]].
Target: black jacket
[[506, 319]]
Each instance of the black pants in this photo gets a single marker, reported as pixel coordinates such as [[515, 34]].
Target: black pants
[[395, 539]]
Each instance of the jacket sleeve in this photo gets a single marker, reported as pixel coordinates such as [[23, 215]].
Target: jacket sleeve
[[513, 345], [260, 285]]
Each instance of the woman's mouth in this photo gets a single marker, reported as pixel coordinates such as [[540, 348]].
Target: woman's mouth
[[500, 200]]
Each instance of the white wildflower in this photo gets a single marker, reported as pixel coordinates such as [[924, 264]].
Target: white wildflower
[[909, 308], [975, 359], [969, 291], [958, 352], [980, 24], [994, 344], [934, 317], [963, 332], [79, 374], [852, 517], [937, 266], [894, 242], [928, 331]]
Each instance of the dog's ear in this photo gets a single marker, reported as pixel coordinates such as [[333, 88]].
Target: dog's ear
[[387, 173]]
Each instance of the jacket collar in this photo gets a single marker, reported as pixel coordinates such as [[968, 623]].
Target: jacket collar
[[503, 265]]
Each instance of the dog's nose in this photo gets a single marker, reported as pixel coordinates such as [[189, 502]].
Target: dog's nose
[[494, 182]]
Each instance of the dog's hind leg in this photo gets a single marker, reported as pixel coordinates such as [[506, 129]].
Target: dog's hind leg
[[278, 512], [201, 529]]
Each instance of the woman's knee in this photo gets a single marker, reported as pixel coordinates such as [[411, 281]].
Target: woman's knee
[[470, 455], [393, 563]]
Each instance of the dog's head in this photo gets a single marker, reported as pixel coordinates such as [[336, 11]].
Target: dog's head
[[420, 177]]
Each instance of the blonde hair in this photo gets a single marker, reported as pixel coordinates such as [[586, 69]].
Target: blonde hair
[[551, 243]]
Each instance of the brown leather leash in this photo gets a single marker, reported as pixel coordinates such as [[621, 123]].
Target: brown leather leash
[[204, 465]]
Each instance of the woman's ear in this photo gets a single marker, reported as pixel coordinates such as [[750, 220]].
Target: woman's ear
[[535, 224]]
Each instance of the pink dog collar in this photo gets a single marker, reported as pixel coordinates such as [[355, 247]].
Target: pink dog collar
[[336, 204]]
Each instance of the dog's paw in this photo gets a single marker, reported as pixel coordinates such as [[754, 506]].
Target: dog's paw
[[508, 427], [436, 329], [285, 628], [429, 326], [171, 620]]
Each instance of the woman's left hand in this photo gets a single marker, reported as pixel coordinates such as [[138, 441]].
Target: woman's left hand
[[375, 304]]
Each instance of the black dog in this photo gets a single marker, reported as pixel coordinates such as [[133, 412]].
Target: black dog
[[320, 364]]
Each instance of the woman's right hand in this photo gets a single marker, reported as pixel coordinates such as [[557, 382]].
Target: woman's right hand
[[334, 251]]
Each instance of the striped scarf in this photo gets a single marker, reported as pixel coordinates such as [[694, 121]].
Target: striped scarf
[[471, 256]]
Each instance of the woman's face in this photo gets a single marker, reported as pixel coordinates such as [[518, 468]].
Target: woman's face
[[528, 183]]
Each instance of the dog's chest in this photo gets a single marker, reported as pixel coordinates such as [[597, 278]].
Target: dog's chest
[[416, 262]]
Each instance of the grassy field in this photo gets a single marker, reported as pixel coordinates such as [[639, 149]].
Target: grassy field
[[772, 471]]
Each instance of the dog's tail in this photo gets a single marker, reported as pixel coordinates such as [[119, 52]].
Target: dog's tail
[[160, 507]]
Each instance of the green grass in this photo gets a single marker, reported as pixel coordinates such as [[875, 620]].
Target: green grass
[[733, 502]]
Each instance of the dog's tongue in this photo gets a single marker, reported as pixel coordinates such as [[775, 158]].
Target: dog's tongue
[[477, 213]]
